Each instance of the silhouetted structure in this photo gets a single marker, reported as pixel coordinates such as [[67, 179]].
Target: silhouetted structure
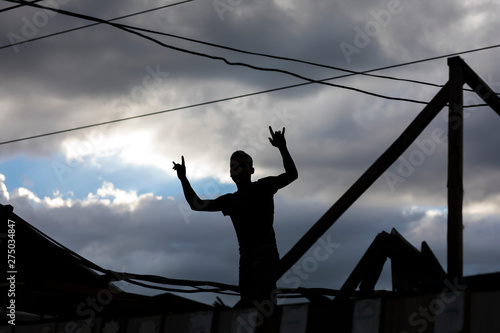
[[52, 282]]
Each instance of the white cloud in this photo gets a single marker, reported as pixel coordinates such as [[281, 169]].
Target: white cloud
[[121, 197], [482, 209], [22, 192], [4, 194], [57, 202], [107, 195]]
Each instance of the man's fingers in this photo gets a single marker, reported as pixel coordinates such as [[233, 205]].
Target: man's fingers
[[277, 132], [176, 165]]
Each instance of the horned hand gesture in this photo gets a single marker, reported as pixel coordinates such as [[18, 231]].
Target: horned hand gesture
[[277, 138], [180, 168]]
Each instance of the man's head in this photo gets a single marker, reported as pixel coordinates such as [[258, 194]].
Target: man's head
[[241, 167]]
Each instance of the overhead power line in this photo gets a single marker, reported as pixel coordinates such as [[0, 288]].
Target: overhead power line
[[159, 282], [113, 276], [161, 112], [16, 6], [351, 72], [231, 63], [244, 95], [88, 25], [145, 115]]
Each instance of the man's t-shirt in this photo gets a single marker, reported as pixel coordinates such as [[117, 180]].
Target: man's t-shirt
[[252, 211]]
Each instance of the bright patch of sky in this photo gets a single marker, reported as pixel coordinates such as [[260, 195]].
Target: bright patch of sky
[[29, 173], [58, 178]]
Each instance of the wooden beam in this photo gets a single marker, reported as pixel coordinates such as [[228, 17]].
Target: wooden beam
[[480, 87], [359, 187], [372, 261], [455, 168]]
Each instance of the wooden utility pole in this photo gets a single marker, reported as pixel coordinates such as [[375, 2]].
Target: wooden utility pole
[[455, 168], [460, 73]]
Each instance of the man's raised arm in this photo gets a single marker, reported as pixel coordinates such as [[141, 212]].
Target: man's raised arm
[[192, 198], [277, 139]]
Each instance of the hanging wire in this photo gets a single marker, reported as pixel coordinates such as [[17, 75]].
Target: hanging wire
[[88, 25], [16, 6], [309, 81]]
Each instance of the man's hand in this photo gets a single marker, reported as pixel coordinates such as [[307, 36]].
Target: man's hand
[[180, 168], [277, 138]]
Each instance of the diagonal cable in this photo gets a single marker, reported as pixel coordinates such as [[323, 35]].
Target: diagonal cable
[[88, 25], [351, 72], [16, 6], [175, 48]]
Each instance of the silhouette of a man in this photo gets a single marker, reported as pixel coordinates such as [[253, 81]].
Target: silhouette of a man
[[251, 209]]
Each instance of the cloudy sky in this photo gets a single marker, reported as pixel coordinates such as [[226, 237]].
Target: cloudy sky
[[109, 192]]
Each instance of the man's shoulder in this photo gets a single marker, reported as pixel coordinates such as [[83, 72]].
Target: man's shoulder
[[267, 183], [266, 179]]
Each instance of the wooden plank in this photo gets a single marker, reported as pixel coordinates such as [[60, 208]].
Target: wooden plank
[[360, 186], [373, 257], [455, 168], [480, 87]]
